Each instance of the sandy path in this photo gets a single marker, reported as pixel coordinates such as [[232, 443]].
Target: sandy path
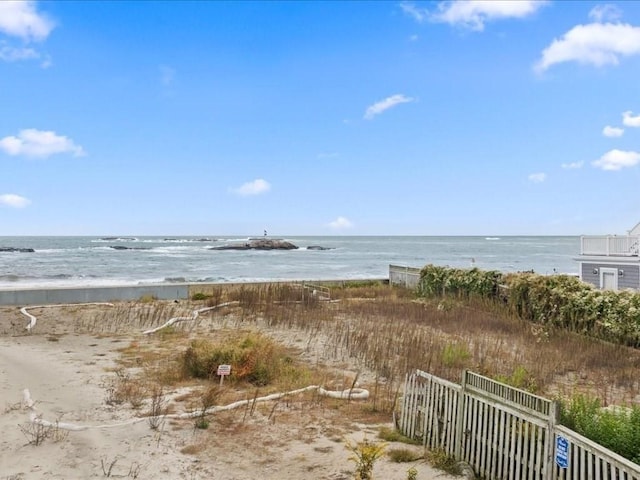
[[66, 376], [65, 379]]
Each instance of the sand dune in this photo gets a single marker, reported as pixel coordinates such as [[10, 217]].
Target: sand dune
[[67, 374]]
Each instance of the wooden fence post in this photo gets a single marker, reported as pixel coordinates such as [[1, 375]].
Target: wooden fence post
[[460, 417], [554, 416]]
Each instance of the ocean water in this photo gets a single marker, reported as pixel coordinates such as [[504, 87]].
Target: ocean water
[[86, 261]]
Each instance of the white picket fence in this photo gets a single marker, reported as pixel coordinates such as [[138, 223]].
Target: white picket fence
[[503, 432]]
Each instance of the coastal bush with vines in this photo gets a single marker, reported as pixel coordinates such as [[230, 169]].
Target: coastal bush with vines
[[557, 301], [460, 282]]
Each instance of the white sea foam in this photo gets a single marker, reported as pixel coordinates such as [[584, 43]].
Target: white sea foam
[[84, 261]]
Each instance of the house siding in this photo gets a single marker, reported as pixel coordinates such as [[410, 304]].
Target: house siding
[[630, 279]]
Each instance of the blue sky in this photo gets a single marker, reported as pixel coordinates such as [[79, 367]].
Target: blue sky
[[319, 118]]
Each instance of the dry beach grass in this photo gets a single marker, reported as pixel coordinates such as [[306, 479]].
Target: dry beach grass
[[93, 366]]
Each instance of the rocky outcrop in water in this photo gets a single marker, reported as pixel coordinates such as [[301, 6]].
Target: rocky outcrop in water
[[15, 249], [259, 244], [318, 247], [122, 247]]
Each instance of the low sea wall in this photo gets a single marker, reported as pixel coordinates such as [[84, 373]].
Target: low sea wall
[[53, 296], [173, 291]]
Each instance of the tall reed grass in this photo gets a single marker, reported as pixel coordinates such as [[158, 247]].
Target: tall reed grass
[[389, 332]]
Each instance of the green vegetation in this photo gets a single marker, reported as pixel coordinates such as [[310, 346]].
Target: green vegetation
[[442, 281], [559, 301], [147, 299], [364, 455], [390, 333], [346, 284], [455, 355], [254, 358], [553, 304], [403, 455], [519, 378], [393, 435], [202, 423], [441, 460], [618, 429]]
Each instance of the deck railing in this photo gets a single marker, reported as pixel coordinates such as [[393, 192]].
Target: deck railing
[[408, 277], [610, 245]]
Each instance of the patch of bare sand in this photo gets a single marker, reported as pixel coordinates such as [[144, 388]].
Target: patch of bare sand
[[68, 372]]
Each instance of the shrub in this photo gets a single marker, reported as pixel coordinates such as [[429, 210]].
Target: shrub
[[519, 378], [403, 455], [393, 435], [123, 388], [618, 430], [441, 460], [365, 455], [202, 423], [455, 355], [253, 358], [552, 300], [435, 281]]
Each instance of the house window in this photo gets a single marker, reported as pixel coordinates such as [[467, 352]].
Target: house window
[[609, 278]]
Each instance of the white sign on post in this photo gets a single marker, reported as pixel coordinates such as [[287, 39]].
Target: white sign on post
[[223, 371]]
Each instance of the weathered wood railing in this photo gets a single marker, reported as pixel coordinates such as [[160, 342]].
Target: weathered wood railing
[[503, 432], [320, 291]]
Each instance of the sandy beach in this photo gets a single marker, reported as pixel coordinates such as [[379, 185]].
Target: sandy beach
[[57, 421]]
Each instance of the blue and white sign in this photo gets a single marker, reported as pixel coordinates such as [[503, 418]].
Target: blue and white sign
[[562, 452]]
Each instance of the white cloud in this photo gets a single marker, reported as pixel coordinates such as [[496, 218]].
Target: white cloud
[[617, 159], [10, 53], [629, 120], [612, 131], [418, 14], [389, 102], [21, 19], [572, 165], [474, 14], [14, 54], [256, 187], [606, 12], [38, 143], [538, 177], [340, 223], [595, 44], [15, 201]]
